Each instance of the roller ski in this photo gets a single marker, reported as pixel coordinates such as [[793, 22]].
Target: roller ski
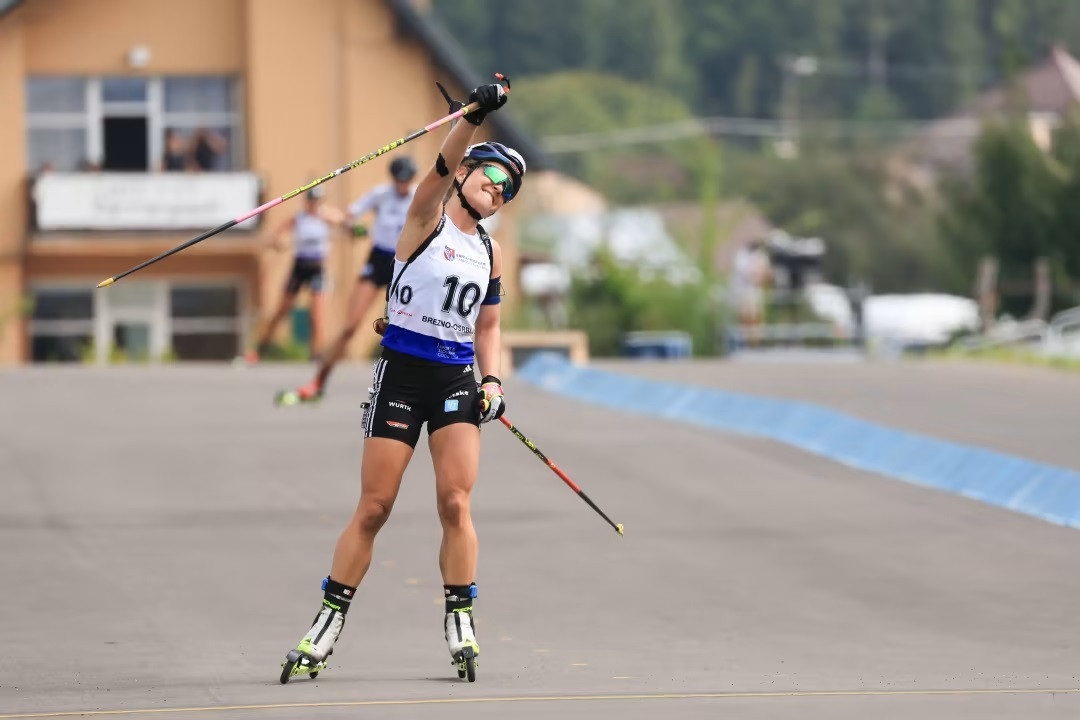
[[298, 662], [309, 657], [307, 395], [461, 641]]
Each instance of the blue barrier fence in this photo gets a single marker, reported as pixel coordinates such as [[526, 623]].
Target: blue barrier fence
[[1044, 491]]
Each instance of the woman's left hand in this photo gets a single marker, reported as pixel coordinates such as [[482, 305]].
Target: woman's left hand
[[492, 400]]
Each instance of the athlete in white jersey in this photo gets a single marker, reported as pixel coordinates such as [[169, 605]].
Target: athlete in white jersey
[[312, 228], [390, 203], [443, 322]]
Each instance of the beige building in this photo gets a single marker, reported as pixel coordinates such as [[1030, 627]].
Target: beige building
[[287, 92]]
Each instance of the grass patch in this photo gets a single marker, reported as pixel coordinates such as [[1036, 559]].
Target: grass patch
[[1010, 356]]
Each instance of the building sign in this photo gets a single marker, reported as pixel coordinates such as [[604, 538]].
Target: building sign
[[139, 201]]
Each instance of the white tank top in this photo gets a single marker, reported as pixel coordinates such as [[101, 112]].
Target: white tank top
[[390, 210], [311, 236], [435, 301]]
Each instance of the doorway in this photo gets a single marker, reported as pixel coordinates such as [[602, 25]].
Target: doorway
[[132, 323], [125, 144]]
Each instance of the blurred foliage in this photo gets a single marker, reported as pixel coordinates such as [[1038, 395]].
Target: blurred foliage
[[577, 102], [1011, 355], [289, 350], [22, 307], [1018, 205], [725, 56], [604, 66], [875, 231], [612, 300]]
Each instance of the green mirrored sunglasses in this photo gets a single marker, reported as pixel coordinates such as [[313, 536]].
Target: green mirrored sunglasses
[[499, 177]]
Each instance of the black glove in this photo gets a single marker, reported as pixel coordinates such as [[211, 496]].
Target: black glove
[[489, 98], [492, 401]]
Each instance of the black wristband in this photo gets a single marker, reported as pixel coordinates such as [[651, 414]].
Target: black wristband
[[491, 378]]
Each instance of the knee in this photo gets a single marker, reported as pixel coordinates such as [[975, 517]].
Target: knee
[[454, 508], [372, 514]]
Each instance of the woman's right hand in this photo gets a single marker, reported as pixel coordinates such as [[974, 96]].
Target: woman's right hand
[[489, 98]]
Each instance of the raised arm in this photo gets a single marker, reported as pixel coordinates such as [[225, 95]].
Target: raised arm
[[332, 215], [426, 207], [275, 239]]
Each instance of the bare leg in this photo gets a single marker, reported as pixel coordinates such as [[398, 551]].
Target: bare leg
[[380, 477], [383, 466], [363, 295], [287, 301], [318, 303], [455, 453]]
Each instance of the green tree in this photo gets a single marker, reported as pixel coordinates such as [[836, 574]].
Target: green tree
[[873, 230], [1067, 241], [1008, 208], [936, 54], [726, 56], [615, 299], [575, 103]]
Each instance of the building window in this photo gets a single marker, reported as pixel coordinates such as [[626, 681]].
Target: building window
[[204, 301], [56, 95], [124, 89], [205, 321], [122, 123], [138, 321], [62, 325], [58, 123]]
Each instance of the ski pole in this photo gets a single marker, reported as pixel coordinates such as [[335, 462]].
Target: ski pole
[[532, 446], [465, 110]]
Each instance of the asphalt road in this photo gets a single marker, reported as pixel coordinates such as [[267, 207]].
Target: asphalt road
[[164, 533], [1026, 411]]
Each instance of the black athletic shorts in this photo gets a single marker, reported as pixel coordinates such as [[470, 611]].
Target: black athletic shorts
[[407, 391], [305, 271], [379, 267]]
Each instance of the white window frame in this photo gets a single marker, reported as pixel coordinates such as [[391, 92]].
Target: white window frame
[[71, 328], [159, 315], [238, 324], [157, 119]]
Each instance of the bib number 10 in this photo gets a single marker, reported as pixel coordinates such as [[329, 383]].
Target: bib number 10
[[461, 298]]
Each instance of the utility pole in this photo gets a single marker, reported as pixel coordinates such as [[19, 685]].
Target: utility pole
[[793, 68]]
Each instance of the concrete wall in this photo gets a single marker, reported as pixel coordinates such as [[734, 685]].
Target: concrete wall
[[13, 193]]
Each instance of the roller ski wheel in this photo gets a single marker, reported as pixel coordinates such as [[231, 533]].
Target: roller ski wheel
[[466, 663], [297, 663], [289, 398]]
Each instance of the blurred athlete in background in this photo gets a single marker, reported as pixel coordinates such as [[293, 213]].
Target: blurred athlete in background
[[389, 202]]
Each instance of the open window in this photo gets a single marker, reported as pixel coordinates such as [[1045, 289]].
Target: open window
[[133, 124]]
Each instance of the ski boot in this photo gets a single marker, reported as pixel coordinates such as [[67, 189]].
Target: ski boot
[[310, 393], [309, 657], [301, 661], [461, 641]]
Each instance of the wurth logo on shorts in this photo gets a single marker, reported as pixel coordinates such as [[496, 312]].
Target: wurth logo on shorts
[[400, 405], [398, 425]]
